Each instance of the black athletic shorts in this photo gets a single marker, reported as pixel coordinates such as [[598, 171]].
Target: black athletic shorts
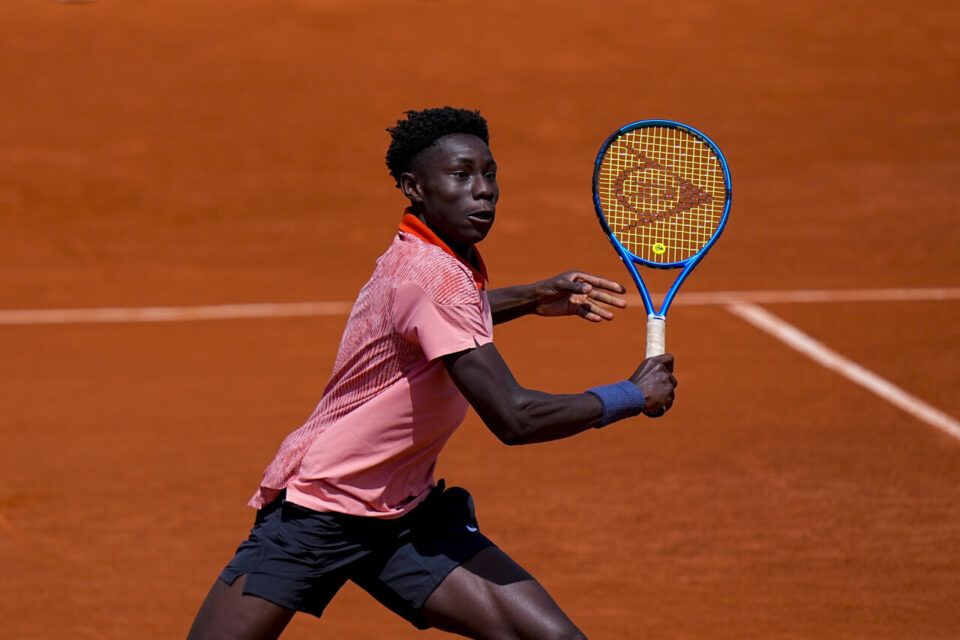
[[299, 558]]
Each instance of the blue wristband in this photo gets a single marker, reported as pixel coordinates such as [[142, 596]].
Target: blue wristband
[[620, 400]]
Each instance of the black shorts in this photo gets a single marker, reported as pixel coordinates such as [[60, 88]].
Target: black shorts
[[299, 558]]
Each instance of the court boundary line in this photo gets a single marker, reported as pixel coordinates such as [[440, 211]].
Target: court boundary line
[[828, 358], [742, 304], [22, 317], [173, 314]]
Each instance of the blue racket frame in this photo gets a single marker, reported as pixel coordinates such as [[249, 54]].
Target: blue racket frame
[[629, 258]]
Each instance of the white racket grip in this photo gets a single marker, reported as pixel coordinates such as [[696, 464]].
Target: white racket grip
[[656, 335]]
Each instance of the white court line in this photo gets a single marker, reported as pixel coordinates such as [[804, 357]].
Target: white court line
[[849, 369], [737, 302], [299, 309], [173, 314]]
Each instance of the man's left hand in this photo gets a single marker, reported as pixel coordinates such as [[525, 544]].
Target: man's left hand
[[575, 293]]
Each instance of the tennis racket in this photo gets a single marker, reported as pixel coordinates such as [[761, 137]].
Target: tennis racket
[[662, 193]]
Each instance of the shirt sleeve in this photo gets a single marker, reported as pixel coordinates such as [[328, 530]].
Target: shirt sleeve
[[440, 329]]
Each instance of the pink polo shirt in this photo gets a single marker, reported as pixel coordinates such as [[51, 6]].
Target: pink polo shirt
[[371, 445]]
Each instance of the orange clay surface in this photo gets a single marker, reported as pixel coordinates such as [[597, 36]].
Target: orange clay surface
[[204, 152]]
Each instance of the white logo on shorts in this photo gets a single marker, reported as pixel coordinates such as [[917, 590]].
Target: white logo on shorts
[[472, 529]]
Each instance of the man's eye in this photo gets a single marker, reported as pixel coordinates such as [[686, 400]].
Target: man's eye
[[492, 175], [462, 175]]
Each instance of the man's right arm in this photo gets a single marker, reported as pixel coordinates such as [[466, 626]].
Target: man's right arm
[[517, 415]]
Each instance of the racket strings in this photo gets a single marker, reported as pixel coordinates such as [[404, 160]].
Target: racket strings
[[662, 191]]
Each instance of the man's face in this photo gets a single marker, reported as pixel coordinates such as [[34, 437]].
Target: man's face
[[453, 187]]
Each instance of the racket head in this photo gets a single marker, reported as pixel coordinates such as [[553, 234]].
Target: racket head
[[662, 192]]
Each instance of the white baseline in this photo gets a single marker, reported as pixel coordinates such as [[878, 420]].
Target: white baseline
[[740, 303], [335, 308], [173, 314]]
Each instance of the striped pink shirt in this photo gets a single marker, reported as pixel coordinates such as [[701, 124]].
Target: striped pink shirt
[[371, 445]]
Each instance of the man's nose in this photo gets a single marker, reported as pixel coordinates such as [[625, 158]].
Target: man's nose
[[484, 188]]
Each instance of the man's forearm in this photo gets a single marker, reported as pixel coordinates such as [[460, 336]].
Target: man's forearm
[[509, 303], [521, 416], [540, 417]]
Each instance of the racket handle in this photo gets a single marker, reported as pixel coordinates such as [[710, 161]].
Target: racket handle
[[656, 335]]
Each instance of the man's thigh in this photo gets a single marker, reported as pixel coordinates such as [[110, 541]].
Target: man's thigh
[[228, 614], [491, 596]]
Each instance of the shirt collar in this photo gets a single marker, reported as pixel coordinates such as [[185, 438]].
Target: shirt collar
[[416, 227]]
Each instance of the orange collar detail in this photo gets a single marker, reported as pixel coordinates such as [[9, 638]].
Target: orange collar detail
[[416, 227]]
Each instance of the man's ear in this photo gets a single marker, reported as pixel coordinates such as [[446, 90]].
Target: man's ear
[[410, 187]]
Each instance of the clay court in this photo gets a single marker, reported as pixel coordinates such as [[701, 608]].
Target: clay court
[[197, 167]]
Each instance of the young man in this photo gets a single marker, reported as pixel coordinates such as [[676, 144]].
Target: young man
[[351, 494]]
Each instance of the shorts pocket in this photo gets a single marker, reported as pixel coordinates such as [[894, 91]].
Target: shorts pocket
[[452, 511]]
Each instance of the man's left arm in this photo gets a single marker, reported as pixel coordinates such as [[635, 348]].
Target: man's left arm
[[573, 293]]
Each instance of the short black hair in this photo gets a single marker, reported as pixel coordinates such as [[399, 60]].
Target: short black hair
[[421, 129]]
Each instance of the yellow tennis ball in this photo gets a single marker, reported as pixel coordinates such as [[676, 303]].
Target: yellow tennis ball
[[659, 248]]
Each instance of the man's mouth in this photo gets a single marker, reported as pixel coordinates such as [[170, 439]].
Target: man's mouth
[[483, 215]]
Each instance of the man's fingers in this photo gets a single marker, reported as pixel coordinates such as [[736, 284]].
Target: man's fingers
[[573, 286], [609, 299], [600, 313], [666, 359], [655, 378], [600, 283], [593, 313]]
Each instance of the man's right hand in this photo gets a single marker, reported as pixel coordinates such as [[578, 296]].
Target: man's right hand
[[655, 379]]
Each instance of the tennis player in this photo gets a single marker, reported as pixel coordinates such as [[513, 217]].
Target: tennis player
[[351, 494]]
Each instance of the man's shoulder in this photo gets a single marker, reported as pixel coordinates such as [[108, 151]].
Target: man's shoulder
[[442, 276]]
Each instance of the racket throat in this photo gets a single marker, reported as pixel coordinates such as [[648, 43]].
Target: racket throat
[[656, 335]]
